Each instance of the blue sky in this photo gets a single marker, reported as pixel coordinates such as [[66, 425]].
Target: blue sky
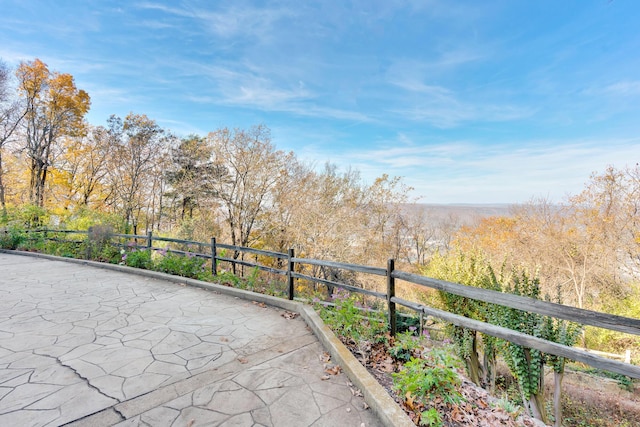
[[469, 101]]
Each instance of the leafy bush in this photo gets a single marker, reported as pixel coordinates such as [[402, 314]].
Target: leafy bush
[[31, 216], [405, 347], [186, 266], [11, 238], [137, 258], [424, 381], [349, 318], [109, 253], [85, 218], [65, 249], [227, 278]]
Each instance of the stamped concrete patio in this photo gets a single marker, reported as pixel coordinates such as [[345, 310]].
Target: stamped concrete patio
[[87, 346]]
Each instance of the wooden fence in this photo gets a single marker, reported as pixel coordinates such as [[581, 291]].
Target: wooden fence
[[395, 278]]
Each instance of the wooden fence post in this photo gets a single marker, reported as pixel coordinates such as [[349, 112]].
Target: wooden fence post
[[391, 292], [214, 254], [149, 239], [290, 277]]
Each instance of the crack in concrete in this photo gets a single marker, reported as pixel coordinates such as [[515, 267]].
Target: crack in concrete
[[86, 380], [117, 411]]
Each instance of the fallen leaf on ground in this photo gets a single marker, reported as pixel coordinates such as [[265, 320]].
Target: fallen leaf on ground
[[242, 360], [260, 304], [224, 339], [289, 315], [333, 371], [409, 401], [456, 414], [356, 392]]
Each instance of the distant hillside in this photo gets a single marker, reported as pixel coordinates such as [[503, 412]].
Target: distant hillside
[[460, 214]]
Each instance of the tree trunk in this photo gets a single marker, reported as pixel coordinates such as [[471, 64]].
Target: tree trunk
[[473, 361], [536, 405], [3, 203], [33, 181], [489, 367], [41, 181], [536, 400]]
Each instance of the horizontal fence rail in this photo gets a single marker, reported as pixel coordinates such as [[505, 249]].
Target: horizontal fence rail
[[559, 311], [291, 263]]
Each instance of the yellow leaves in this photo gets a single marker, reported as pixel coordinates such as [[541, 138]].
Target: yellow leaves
[[490, 234], [54, 105], [32, 77]]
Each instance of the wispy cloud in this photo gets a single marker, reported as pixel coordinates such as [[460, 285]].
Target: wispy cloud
[[623, 88], [441, 106], [446, 111], [244, 85], [232, 21], [474, 172]]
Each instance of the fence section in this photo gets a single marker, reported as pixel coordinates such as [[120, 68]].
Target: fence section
[[291, 267]]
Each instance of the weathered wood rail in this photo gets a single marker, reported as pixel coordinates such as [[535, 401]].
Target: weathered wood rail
[[291, 270]]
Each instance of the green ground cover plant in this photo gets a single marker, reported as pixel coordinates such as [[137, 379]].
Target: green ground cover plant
[[429, 385]]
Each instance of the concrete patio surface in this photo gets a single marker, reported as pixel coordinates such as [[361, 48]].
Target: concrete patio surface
[[88, 346]]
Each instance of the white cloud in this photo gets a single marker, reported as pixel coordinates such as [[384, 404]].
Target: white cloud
[[245, 85], [472, 172], [447, 112], [233, 21], [624, 88]]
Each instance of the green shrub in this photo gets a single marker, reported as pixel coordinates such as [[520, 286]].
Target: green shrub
[[85, 218], [11, 238], [405, 346], [31, 216], [425, 381], [186, 266], [349, 318], [109, 253], [65, 249], [227, 278], [137, 258]]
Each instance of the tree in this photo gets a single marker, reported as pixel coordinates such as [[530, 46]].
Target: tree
[[138, 144], [250, 170], [291, 202], [83, 166], [193, 173], [385, 221], [10, 117], [571, 246], [54, 108], [427, 234]]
